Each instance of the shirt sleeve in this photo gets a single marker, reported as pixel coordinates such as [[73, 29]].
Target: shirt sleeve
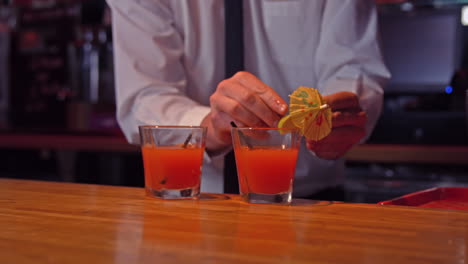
[[349, 56], [150, 76]]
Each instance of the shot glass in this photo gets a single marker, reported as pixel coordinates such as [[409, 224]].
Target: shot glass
[[266, 163], [172, 160]]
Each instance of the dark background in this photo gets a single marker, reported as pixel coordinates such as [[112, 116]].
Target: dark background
[[56, 76]]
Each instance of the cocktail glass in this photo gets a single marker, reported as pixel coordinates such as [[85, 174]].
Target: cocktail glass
[[173, 159], [266, 163]]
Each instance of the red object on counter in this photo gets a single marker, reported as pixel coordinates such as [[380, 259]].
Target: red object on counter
[[443, 198]]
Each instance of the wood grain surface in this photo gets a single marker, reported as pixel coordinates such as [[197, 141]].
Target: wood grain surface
[[49, 222]]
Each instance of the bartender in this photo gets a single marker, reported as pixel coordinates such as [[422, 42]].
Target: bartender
[[170, 70]]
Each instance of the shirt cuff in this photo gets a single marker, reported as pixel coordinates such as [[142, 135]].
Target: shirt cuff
[[195, 116]]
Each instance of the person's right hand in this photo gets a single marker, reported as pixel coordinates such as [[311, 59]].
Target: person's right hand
[[247, 101]]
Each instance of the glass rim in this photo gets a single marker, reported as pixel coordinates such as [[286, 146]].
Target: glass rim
[[266, 128], [168, 127]]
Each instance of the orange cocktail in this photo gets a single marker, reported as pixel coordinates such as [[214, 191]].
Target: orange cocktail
[[266, 170], [266, 163], [172, 160], [172, 167]]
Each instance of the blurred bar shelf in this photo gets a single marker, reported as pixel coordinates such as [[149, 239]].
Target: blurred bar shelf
[[116, 142], [391, 153], [76, 141]]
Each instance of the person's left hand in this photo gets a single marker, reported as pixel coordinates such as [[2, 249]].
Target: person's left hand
[[348, 126]]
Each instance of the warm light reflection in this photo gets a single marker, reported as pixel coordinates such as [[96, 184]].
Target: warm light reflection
[[262, 236], [464, 15], [128, 235]]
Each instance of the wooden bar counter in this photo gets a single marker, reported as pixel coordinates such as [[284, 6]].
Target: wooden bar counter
[[49, 222]]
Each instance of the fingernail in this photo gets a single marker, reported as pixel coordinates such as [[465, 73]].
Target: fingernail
[[281, 107], [275, 123]]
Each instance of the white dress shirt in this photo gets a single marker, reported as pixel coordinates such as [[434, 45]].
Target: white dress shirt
[[169, 57]]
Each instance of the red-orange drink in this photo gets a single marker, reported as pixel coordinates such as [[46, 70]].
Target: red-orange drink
[[265, 170], [172, 167]]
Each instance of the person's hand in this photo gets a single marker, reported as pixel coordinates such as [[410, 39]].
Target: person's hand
[[245, 100], [348, 123]]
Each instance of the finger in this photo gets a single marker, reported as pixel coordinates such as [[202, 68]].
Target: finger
[[343, 135], [235, 110], [333, 154], [343, 101], [251, 101], [337, 143], [221, 126], [265, 92], [341, 119]]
